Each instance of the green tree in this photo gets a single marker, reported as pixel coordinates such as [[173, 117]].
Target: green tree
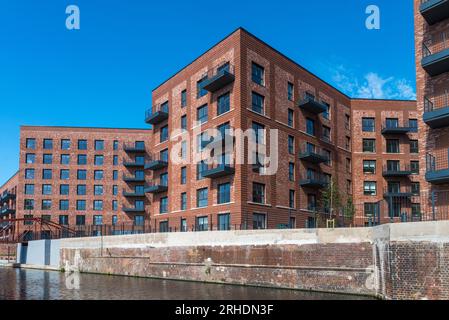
[[349, 210], [330, 197]]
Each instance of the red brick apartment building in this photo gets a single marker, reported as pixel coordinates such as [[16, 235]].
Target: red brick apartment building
[[8, 197], [82, 176], [244, 83], [432, 69]]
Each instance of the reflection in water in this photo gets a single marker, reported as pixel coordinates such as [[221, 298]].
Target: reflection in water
[[21, 284]]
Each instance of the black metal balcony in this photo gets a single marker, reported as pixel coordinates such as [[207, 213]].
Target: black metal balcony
[[312, 105], [133, 178], [436, 111], [133, 194], [7, 211], [156, 162], [134, 148], [7, 196], [133, 164], [157, 114], [217, 171], [435, 63], [391, 129], [403, 192], [219, 78], [397, 171], [134, 209], [315, 181], [437, 173], [313, 154], [434, 11], [219, 141], [156, 188]]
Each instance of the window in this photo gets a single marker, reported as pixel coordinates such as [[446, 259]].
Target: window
[[348, 186], [48, 144], [81, 174], [413, 125], [310, 126], [46, 205], [369, 166], [81, 189], [200, 91], [291, 118], [200, 168], [163, 226], [115, 145], [414, 146], [224, 221], [347, 122], [368, 125], [201, 197], [98, 160], [257, 74], [202, 223], [259, 221], [82, 159], [326, 133], [46, 174], [258, 103], [291, 171], [348, 143], [369, 145], [259, 131], [64, 205], [224, 193], [98, 190], [99, 145], [80, 205], [258, 193], [98, 205], [202, 114], [163, 179], [183, 98], [139, 220], [164, 134], [416, 210], [139, 204], [47, 158], [414, 166], [29, 174], [163, 205], [30, 158], [415, 188], [392, 122], [370, 209], [291, 144], [290, 90], [97, 220], [115, 160], [392, 146], [223, 104], [114, 190], [326, 113], [369, 188], [47, 189], [183, 225], [64, 189], [31, 143], [291, 198], [80, 220], [98, 175], [65, 144], [183, 175], [115, 175], [184, 122], [82, 144], [348, 165], [183, 201], [114, 205], [64, 174], [29, 189], [28, 204], [65, 159]]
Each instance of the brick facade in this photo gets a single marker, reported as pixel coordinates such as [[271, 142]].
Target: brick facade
[[8, 197]]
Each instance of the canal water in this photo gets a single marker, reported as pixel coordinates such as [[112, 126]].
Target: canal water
[[22, 284]]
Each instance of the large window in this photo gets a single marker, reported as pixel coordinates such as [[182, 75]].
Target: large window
[[224, 221], [29, 189], [369, 166], [99, 160], [64, 189], [201, 197], [223, 104], [82, 144], [82, 159], [31, 143], [258, 193], [80, 205], [369, 145], [80, 220], [81, 189], [224, 193], [414, 166], [183, 175], [200, 168], [415, 188], [202, 114], [184, 122], [64, 174], [183, 98], [326, 133], [257, 74], [310, 126], [414, 146], [392, 122], [326, 114], [164, 134], [65, 159], [413, 125], [259, 131], [291, 118], [46, 174], [368, 125], [259, 221], [200, 91], [81, 175], [370, 209], [290, 91], [30, 158], [202, 223], [258, 103], [65, 144], [392, 146], [163, 205], [29, 174], [184, 201], [46, 204], [64, 205], [99, 145], [291, 171], [369, 188], [291, 198], [98, 205], [163, 179], [48, 144], [98, 190], [98, 175], [47, 158]]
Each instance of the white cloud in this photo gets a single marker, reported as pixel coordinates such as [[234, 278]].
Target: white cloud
[[372, 85]]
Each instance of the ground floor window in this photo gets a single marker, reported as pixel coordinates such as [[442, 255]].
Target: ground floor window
[[224, 221], [202, 223], [259, 221], [163, 226], [310, 223]]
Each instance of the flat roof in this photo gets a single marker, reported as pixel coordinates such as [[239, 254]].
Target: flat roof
[[89, 128]]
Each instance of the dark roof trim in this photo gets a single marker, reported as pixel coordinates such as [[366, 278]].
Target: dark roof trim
[[75, 127]]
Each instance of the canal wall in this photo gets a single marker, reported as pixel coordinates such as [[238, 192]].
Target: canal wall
[[397, 261]]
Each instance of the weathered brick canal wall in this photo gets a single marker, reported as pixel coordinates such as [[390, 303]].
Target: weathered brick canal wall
[[401, 261]]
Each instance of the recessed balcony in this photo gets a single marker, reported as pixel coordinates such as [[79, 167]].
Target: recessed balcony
[[133, 194], [436, 111], [438, 167], [218, 171], [157, 114], [134, 209], [314, 181], [310, 104], [156, 188], [218, 78], [313, 154], [133, 164], [396, 130], [397, 171], [134, 148], [133, 178], [403, 192], [156, 162], [435, 62], [434, 11]]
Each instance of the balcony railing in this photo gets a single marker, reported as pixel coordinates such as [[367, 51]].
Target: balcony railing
[[157, 114], [133, 178], [133, 194], [156, 162], [314, 180], [436, 58], [7, 196], [437, 167], [218, 170], [133, 164], [436, 110], [134, 209], [218, 78], [397, 171], [313, 154], [7, 211], [309, 103], [434, 11], [134, 147], [156, 187], [401, 192], [392, 129]]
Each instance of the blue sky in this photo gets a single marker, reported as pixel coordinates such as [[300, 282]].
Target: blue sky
[[102, 75]]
